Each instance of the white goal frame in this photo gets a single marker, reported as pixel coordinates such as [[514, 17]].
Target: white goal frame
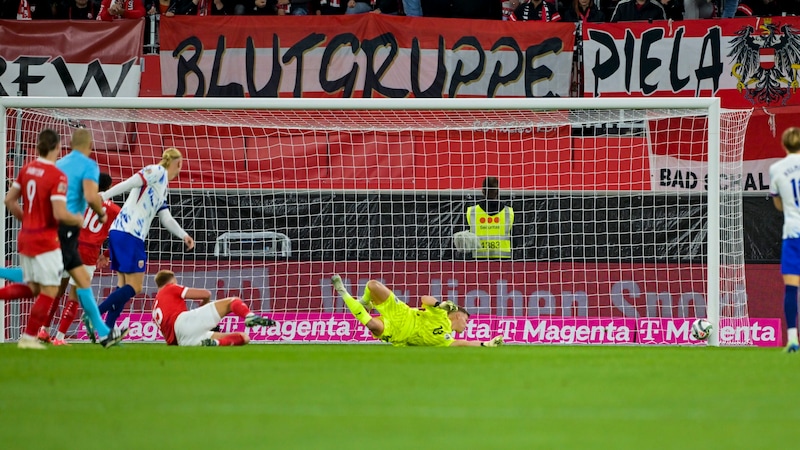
[[712, 105]]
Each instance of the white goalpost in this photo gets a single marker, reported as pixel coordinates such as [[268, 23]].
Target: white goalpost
[[627, 215]]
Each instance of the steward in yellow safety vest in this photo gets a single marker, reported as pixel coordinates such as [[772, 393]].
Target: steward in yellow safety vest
[[491, 220]]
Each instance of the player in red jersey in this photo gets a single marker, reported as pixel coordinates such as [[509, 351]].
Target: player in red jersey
[[90, 244], [42, 188], [193, 328]]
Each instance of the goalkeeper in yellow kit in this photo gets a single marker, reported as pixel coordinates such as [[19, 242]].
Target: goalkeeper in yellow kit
[[430, 326]]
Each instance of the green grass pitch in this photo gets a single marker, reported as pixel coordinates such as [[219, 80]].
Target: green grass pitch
[[379, 397]]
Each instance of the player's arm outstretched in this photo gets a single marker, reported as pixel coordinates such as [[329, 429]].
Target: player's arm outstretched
[[458, 319], [169, 222], [124, 187]]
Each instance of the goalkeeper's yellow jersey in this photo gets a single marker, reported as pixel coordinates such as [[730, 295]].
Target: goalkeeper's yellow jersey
[[433, 328]]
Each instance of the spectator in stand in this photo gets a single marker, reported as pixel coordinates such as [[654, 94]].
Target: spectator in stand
[[298, 7], [758, 8], [633, 10], [508, 9], [433, 8], [262, 8], [182, 8], [337, 7], [790, 7], [45, 9], [386, 7], [537, 10], [699, 9], [673, 9], [222, 8], [477, 9], [412, 8], [729, 8], [8, 9], [358, 6], [121, 9], [582, 11], [28, 9], [80, 9], [154, 7]]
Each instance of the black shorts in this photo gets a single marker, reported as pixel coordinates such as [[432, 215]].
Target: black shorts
[[69, 246]]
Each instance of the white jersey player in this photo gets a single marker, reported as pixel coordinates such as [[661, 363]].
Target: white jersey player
[[784, 187], [147, 198]]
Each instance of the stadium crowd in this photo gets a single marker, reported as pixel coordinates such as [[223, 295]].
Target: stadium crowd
[[513, 10]]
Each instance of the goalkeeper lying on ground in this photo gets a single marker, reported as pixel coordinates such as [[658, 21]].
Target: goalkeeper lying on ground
[[431, 326]]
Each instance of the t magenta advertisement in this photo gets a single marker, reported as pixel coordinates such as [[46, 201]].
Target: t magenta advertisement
[[342, 328]]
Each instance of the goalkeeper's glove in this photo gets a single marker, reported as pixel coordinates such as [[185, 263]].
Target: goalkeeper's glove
[[494, 342], [447, 306]]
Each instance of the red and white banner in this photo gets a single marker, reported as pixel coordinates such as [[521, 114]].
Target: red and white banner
[[364, 55], [343, 328], [748, 62], [70, 58]]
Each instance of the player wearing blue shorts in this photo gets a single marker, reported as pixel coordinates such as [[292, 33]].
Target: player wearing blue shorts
[[433, 325], [784, 187], [147, 197], [83, 175]]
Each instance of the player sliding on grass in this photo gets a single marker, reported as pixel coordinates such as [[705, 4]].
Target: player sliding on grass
[[193, 328], [431, 326]]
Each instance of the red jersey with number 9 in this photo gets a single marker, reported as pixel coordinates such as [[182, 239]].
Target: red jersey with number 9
[[40, 183], [170, 303], [94, 233]]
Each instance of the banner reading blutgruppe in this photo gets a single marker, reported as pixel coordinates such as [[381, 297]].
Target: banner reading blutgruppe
[[61, 58], [364, 55]]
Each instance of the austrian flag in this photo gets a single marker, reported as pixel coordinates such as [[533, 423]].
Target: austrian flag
[[766, 57]]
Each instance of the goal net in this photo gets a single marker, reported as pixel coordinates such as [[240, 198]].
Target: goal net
[[626, 226]]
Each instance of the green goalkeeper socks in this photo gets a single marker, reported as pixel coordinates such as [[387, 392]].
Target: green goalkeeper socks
[[357, 309]]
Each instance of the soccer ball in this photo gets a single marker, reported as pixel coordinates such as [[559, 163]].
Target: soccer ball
[[466, 241], [701, 329]]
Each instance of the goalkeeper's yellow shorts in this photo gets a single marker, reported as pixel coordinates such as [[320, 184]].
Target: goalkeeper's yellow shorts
[[399, 320]]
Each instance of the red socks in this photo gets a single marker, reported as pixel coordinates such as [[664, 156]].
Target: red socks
[[68, 316], [52, 313], [239, 308], [15, 291], [231, 339], [38, 314]]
